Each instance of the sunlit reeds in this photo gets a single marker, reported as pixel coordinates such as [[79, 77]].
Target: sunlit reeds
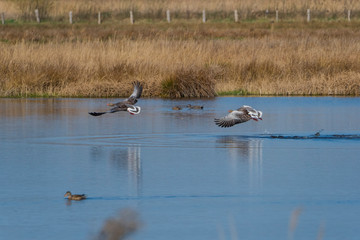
[[190, 82], [194, 60], [155, 9]]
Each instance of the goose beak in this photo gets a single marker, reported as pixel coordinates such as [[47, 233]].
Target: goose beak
[[260, 119], [230, 111], [255, 119]]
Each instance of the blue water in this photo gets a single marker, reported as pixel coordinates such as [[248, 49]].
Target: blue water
[[184, 176]]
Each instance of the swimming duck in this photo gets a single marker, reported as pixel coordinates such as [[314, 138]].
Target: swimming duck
[[127, 104], [243, 114], [195, 106], [176, 108], [76, 197]]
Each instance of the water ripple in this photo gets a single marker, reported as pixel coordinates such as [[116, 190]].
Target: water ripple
[[182, 140]]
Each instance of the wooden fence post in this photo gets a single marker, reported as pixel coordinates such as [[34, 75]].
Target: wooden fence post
[[3, 18], [236, 16], [203, 16], [308, 15], [168, 15], [37, 15], [277, 16], [349, 12], [131, 17], [70, 17], [99, 17]]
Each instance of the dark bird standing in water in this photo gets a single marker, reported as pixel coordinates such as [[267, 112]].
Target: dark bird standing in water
[[76, 197], [127, 104], [243, 114]]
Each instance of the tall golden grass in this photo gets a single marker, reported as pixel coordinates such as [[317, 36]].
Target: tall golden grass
[[180, 61], [59, 9]]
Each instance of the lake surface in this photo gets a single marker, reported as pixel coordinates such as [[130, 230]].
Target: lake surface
[[185, 177]]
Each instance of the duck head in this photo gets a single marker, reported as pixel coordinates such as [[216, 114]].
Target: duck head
[[68, 193]]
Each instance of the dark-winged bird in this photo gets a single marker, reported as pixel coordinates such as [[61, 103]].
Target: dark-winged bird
[[243, 114], [127, 104]]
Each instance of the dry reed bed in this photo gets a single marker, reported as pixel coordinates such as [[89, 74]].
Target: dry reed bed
[[84, 9], [289, 62], [213, 5]]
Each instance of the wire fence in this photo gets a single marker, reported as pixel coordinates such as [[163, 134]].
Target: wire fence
[[203, 16]]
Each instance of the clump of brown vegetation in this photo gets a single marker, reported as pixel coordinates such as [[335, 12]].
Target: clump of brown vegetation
[[198, 82], [120, 227]]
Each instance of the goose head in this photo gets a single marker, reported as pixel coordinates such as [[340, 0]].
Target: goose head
[[256, 115], [133, 110]]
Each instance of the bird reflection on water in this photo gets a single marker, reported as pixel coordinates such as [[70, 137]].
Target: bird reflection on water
[[123, 158], [129, 159], [245, 150]]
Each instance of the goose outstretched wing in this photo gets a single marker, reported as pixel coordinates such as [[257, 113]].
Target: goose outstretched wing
[[235, 117], [136, 94]]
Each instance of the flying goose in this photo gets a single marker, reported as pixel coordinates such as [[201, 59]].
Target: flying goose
[[125, 105], [76, 197], [243, 114]]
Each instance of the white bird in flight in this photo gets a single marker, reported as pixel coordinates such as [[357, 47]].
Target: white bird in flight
[[241, 115], [127, 104]]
